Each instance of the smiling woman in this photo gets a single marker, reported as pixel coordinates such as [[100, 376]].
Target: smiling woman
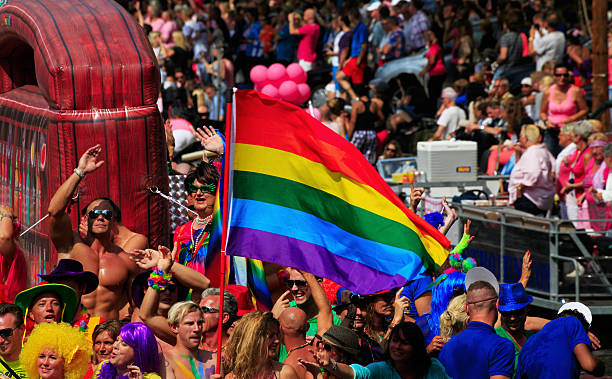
[[55, 351]]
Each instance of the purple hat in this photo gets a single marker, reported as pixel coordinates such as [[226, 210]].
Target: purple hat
[[72, 269], [513, 297]]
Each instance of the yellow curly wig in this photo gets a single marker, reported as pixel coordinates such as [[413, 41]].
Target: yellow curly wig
[[68, 342]]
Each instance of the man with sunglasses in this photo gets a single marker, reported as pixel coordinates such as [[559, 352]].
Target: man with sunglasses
[[210, 307], [478, 352], [11, 334], [97, 252]]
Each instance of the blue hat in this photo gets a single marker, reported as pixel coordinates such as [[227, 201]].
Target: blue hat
[[513, 297]]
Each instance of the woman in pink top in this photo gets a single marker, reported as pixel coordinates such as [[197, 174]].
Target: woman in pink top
[[579, 160], [561, 103], [13, 268], [591, 208], [435, 65]]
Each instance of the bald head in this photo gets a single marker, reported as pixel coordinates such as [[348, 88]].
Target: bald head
[[293, 321]]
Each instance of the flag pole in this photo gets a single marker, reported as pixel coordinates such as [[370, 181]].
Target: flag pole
[[224, 225]]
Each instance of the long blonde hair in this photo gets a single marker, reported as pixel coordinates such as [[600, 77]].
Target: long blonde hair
[[454, 319], [246, 348]]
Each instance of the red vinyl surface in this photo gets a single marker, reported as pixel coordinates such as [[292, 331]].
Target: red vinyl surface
[[74, 73]]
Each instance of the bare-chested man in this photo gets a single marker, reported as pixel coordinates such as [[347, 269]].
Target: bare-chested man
[[293, 326], [101, 256], [185, 359]]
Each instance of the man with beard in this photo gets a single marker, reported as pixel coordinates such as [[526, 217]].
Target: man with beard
[[185, 359], [354, 319], [98, 254]]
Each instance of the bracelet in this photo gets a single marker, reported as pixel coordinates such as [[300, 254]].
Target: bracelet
[[80, 173], [158, 280], [392, 325]]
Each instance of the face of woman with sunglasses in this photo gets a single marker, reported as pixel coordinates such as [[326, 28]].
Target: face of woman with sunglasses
[[383, 305], [202, 197], [99, 217], [562, 76]]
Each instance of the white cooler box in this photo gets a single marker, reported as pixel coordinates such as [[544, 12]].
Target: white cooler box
[[448, 161]]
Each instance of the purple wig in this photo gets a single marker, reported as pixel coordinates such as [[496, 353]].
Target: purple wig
[[146, 356]]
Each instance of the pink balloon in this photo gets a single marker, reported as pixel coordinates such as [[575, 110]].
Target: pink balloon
[[270, 90], [259, 74], [296, 73], [288, 91], [304, 92], [277, 74]]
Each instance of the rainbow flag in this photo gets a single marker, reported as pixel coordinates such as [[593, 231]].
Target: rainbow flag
[[243, 271], [302, 196]]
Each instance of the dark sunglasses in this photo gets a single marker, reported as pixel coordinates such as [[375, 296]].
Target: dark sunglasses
[[206, 188], [207, 309], [298, 283], [6, 333], [106, 213], [567, 75], [327, 347], [391, 150]]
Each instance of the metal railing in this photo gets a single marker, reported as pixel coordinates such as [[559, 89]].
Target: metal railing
[[557, 248]]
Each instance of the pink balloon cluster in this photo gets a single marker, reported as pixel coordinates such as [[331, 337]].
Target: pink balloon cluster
[[288, 84]]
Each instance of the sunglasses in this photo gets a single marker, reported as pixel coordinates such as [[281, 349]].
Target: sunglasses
[[6, 333], [391, 150], [106, 213], [206, 188], [327, 347], [298, 283], [562, 75], [207, 309]]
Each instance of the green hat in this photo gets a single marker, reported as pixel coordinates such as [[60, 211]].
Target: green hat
[[67, 295]]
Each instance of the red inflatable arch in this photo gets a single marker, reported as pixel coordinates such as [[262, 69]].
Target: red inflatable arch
[[74, 73]]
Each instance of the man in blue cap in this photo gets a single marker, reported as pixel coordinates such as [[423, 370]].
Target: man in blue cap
[[513, 306]]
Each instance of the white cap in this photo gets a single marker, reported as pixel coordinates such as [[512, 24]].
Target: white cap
[[395, 2], [373, 6], [527, 81], [478, 274], [580, 308]]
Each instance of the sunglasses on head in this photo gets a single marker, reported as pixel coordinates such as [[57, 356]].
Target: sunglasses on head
[[6, 333], [106, 213], [298, 283], [206, 188], [207, 309]]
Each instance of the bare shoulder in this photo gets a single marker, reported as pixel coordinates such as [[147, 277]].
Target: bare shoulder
[[287, 372], [135, 242]]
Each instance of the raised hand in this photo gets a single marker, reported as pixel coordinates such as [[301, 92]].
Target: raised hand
[[89, 160], [416, 195], [145, 259], [166, 259], [401, 306], [466, 230], [209, 139], [281, 304]]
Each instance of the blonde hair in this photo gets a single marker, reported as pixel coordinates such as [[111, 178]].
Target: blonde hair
[[597, 125], [546, 81], [454, 319], [598, 137], [179, 39], [152, 37], [247, 345], [532, 132], [67, 342], [180, 310]]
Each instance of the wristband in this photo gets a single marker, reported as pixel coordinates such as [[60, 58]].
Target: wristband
[[80, 173], [392, 325], [158, 280], [462, 245]]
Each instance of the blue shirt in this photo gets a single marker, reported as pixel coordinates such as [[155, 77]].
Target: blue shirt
[[477, 352], [360, 36], [550, 353], [415, 289], [385, 370], [285, 45]]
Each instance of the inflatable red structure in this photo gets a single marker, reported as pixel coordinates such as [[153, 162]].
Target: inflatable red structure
[[74, 73]]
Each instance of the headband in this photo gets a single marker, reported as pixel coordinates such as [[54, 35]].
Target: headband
[[597, 143]]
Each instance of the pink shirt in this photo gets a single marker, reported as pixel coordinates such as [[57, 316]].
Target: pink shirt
[[14, 271], [438, 68], [307, 49], [166, 33], [535, 172]]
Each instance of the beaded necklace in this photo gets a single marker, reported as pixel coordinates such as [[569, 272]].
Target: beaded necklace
[[297, 348]]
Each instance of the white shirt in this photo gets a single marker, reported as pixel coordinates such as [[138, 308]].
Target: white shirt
[[335, 61], [450, 119], [606, 194], [550, 47], [566, 152]]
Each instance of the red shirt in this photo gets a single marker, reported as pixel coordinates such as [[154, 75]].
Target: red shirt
[[13, 273]]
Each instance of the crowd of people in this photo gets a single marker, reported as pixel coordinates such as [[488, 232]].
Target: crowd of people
[[115, 307]]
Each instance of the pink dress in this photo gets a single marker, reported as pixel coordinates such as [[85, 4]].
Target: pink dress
[[597, 210], [577, 167], [559, 112]]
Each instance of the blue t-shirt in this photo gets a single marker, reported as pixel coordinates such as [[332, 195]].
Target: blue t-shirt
[[414, 289], [360, 36], [477, 352], [550, 353], [385, 370], [285, 45]]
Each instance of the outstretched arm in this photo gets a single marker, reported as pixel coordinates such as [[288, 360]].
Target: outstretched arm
[[59, 223], [7, 242]]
